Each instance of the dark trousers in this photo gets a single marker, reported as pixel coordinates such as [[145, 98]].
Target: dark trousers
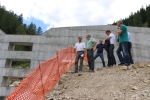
[[78, 56], [111, 53], [120, 56], [108, 57], [90, 56], [101, 56], [124, 47], [129, 51]]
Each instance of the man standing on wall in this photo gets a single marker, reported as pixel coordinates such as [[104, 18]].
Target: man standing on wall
[[123, 41], [129, 47], [111, 37], [99, 52], [90, 53], [80, 50]]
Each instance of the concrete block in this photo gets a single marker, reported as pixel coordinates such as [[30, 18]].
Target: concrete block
[[136, 29], [2, 91], [4, 46], [8, 90], [66, 32], [130, 29], [1, 78], [2, 63], [98, 65]]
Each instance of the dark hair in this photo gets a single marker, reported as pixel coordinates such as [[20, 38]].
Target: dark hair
[[108, 31]]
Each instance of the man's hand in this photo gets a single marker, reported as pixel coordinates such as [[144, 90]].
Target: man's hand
[[94, 49], [91, 48]]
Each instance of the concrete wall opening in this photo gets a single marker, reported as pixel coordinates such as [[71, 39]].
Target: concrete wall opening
[[20, 46], [17, 63], [2, 98], [11, 81]]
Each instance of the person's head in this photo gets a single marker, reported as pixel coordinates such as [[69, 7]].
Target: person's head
[[101, 41], [79, 38], [88, 36], [119, 23], [108, 32]]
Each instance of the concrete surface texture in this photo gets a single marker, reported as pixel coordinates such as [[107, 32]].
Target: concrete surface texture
[[45, 46]]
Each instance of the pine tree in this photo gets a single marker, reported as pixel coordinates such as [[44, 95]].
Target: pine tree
[[148, 15], [143, 15], [39, 30], [20, 30]]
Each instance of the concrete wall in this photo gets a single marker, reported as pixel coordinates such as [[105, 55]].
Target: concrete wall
[[46, 45]]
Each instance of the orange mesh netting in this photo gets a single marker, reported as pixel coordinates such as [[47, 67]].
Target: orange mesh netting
[[44, 77]]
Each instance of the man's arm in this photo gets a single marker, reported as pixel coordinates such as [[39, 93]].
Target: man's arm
[[84, 48], [119, 32], [95, 49], [74, 50], [108, 38], [93, 44]]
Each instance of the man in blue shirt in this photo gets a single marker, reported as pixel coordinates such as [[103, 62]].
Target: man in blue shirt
[[123, 43], [99, 52]]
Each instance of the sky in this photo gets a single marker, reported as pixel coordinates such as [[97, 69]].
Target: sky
[[65, 13]]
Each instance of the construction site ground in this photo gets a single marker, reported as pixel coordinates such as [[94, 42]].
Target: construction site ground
[[110, 83]]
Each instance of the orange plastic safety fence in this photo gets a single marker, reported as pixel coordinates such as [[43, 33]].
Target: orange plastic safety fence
[[33, 88]]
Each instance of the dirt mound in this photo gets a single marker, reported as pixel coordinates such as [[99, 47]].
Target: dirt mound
[[114, 83]]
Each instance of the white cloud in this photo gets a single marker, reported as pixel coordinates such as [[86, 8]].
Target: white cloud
[[61, 13]]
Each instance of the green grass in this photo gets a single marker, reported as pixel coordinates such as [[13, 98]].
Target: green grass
[[23, 65]]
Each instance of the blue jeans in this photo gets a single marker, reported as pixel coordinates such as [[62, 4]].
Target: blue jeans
[[123, 46], [101, 56]]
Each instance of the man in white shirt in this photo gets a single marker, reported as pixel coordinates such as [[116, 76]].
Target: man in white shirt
[[129, 47], [110, 51], [80, 50]]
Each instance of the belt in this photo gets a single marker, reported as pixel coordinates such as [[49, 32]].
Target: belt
[[80, 51]]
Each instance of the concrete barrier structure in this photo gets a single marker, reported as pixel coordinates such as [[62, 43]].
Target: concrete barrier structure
[[45, 46]]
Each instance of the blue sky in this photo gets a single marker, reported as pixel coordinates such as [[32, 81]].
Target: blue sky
[[37, 22], [64, 13]]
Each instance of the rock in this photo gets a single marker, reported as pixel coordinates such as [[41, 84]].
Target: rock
[[146, 81], [124, 67], [130, 67], [134, 88], [148, 65], [98, 69], [16, 83], [51, 99], [135, 66], [141, 65], [60, 82], [80, 74], [66, 86]]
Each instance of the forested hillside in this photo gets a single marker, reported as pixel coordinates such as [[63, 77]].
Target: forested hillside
[[12, 23], [141, 18]]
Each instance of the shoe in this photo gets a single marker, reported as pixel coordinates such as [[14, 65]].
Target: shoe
[[75, 71], [120, 64], [114, 64], [91, 70], [127, 64], [80, 70]]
